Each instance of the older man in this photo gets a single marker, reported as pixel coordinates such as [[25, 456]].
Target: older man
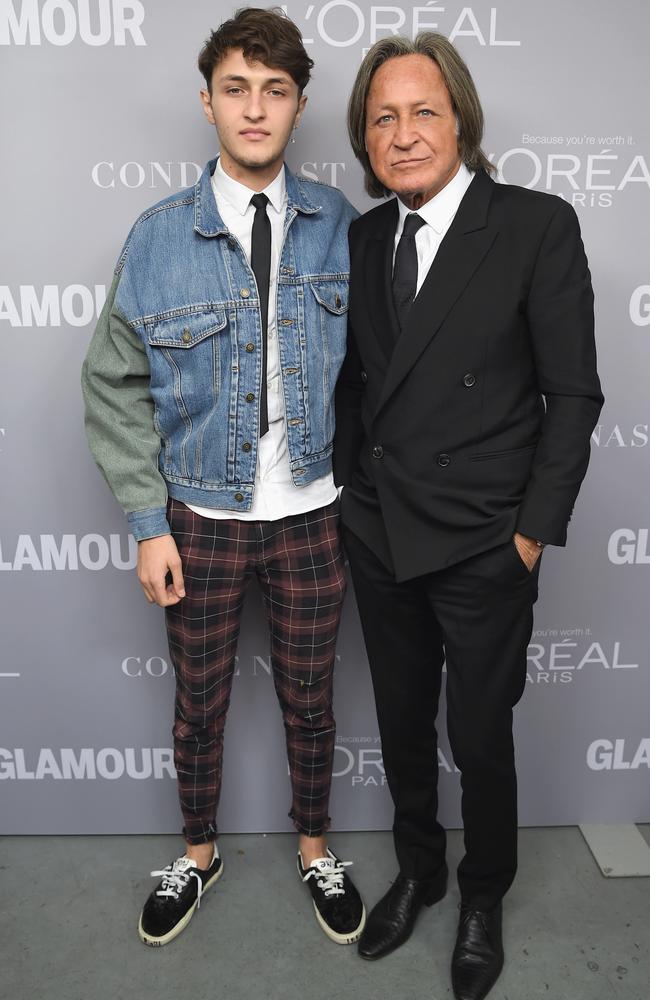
[[465, 409]]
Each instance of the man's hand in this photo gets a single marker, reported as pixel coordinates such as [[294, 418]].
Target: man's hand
[[528, 549], [156, 558]]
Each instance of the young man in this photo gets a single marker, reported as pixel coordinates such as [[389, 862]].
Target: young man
[[208, 387], [466, 407]]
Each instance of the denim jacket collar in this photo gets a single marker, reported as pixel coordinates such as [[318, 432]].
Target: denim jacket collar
[[207, 220]]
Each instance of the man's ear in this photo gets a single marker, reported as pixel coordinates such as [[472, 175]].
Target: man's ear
[[301, 107], [206, 101]]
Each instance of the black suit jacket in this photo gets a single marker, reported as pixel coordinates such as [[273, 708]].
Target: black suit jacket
[[478, 422]]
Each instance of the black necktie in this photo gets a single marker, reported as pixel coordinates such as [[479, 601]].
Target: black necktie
[[261, 264], [405, 268]]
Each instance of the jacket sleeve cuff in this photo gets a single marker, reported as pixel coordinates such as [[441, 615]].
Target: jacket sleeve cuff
[[148, 523]]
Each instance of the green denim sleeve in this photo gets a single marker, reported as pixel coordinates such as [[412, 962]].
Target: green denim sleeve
[[120, 421]]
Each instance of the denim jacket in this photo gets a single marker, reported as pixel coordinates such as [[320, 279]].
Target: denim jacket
[[172, 376]]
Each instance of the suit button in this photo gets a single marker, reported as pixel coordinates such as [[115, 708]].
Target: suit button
[[239, 497], [246, 446], [364, 377], [469, 380], [443, 460], [377, 451], [250, 396]]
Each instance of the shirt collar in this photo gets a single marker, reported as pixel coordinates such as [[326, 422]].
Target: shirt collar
[[239, 196], [440, 210]]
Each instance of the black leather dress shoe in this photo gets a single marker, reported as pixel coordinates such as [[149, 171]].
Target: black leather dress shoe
[[478, 955], [391, 921]]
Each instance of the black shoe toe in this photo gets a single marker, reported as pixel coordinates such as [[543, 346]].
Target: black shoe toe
[[478, 956], [391, 921]]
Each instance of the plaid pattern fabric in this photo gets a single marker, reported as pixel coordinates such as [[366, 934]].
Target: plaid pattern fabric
[[299, 565]]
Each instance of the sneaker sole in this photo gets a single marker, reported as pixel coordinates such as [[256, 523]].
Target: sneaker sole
[[158, 942], [349, 938]]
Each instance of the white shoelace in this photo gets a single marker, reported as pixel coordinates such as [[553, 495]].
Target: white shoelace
[[176, 877], [328, 873]]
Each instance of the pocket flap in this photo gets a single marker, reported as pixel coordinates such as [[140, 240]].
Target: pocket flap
[[186, 330], [332, 294]]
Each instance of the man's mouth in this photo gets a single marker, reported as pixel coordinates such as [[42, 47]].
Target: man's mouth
[[408, 163]]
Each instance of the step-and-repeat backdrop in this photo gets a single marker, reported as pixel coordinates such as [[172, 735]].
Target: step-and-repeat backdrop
[[100, 119]]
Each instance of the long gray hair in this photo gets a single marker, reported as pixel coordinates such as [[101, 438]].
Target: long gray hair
[[464, 99]]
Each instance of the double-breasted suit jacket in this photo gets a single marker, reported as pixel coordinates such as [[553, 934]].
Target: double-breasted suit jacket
[[474, 421]]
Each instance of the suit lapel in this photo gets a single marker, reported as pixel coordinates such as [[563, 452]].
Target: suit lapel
[[466, 243], [378, 266]]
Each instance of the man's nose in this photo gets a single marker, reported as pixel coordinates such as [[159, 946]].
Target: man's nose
[[404, 134], [254, 107]]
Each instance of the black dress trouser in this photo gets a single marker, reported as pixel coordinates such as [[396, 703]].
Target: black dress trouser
[[478, 615]]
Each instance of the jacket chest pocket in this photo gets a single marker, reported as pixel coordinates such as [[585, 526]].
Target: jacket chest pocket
[[185, 351], [330, 305]]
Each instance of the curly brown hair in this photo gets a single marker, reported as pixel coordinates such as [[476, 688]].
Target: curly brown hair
[[266, 36]]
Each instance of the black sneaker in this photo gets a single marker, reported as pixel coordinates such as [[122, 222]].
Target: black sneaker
[[338, 906], [171, 905]]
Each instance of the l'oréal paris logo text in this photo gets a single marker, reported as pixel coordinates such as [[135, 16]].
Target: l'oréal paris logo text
[[359, 760], [559, 656], [68, 552], [342, 24], [62, 22], [587, 180]]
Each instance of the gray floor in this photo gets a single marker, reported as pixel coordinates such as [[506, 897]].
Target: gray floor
[[70, 906]]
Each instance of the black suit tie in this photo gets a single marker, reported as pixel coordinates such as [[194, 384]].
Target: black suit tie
[[261, 264], [405, 268]]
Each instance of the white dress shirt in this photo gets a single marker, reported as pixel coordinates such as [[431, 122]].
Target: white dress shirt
[[438, 213], [274, 493]]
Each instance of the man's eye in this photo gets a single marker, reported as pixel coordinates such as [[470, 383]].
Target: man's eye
[[425, 113], [234, 90], [384, 119], [277, 93]]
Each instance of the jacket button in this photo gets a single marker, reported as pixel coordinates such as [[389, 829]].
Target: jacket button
[[377, 451], [469, 380], [337, 301], [286, 322], [364, 377], [246, 446], [239, 497], [245, 292], [250, 348], [250, 396], [443, 460], [187, 336]]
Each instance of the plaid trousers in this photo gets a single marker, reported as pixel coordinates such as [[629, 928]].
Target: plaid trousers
[[299, 565]]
